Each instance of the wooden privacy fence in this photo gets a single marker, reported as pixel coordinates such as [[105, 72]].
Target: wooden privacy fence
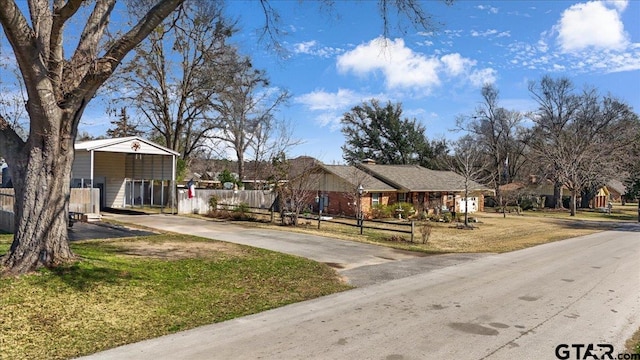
[[199, 203], [6, 210], [80, 201]]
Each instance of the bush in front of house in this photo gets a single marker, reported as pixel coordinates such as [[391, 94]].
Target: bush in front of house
[[213, 203], [241, 212], [381, 211]]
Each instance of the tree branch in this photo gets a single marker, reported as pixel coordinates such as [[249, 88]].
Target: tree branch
[[61, 13], [106, 65], [10, 142]]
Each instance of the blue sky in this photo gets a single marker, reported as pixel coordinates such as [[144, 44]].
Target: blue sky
[[338, 59]]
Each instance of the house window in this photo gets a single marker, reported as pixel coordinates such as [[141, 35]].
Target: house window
[[402, 197], [375, 199]]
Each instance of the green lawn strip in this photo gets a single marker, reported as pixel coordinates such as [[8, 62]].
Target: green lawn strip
[[111, 297]]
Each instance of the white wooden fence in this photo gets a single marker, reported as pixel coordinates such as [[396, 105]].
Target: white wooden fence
[[199, 204]]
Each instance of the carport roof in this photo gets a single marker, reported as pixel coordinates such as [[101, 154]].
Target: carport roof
[[131, 144]]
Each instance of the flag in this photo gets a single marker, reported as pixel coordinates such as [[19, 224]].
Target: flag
[[191, 189]]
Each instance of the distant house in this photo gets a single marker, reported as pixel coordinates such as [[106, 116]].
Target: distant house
[[427, 190], [612, 191]]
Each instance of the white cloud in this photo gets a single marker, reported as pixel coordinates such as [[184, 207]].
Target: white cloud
[[482, 76], [406, 69], [312, 48], [621, 5], [484, 33], [456, 64], [401, 66], [328, 108], [322, 100], [490, 32], [591, 24], [304, 47], [490, 9]]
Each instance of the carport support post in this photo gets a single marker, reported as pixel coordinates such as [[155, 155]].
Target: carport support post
[[92, 185], [173, 184]]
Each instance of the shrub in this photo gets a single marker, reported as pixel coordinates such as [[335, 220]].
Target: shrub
[[425, 232], [213, 203], [407, 209], [381, 211], [527, 204], [240, 211]]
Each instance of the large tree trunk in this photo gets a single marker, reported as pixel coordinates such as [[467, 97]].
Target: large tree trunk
[[586, 195], [573, 202], [557, 195], [42, 189]]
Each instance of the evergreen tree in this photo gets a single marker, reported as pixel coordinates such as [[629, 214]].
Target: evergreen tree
[[377, 132], [122, 125]]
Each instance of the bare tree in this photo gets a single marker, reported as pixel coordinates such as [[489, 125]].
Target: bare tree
[[469, 162], [295, 182], [557, 105], [583, 138], [499, 133], [270, 138], [243, 110], [176, 70]]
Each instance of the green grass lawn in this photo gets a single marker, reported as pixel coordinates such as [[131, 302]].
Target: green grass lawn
[[123, 291]]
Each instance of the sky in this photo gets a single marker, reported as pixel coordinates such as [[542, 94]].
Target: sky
[[338, 58]]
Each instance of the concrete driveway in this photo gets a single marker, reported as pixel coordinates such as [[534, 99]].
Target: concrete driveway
[[98, 230], [359, 263]]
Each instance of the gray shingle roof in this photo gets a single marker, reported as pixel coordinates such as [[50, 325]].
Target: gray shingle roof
[[416, 178], [617, 186], [354, 175]]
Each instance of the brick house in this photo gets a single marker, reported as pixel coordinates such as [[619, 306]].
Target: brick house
[[428, 190]]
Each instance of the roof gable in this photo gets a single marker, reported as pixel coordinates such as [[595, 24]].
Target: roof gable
[[131, 144]]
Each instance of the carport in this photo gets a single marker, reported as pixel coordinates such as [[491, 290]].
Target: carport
[[129, 171]]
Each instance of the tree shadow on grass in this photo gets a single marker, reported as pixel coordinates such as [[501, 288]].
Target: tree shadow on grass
[[82, 277], [599, 225]]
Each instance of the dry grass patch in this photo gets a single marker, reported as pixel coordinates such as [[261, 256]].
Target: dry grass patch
[[497, 234], [493, 233]]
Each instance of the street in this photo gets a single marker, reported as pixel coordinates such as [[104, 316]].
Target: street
[[518, 305]]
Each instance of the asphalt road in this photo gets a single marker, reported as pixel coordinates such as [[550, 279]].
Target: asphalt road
[[519, 305]]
